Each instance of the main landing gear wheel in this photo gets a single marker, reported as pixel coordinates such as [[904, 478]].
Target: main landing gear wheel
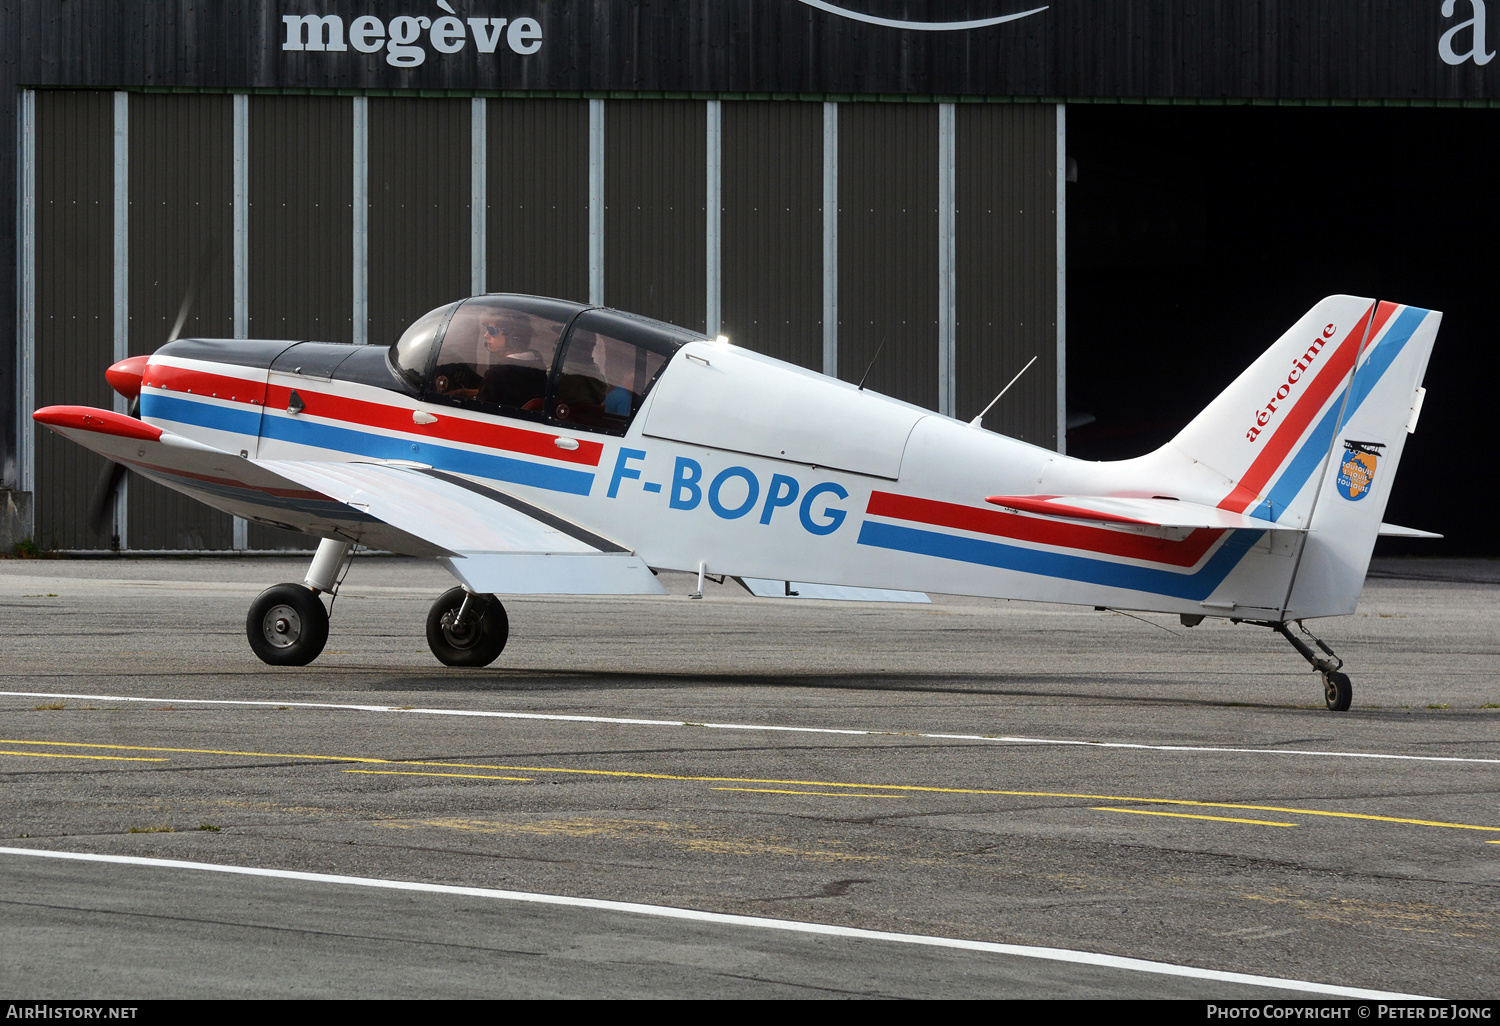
[[464, 629], [1337, 691], [287, 625]]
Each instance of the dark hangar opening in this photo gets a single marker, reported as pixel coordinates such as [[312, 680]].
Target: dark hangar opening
[[1197, 235]]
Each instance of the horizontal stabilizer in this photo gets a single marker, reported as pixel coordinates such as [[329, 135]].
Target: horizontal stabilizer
[[1397, 531], [1126, 512]]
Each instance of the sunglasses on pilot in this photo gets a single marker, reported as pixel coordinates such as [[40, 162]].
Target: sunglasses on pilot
[[492, 330]]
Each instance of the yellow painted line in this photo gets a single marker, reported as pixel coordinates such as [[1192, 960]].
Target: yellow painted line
[[825, 794], [1133, 799], [190, 751], [1189, 815], [59, 755], [401, 773]]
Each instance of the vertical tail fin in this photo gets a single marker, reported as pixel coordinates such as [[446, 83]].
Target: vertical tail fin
[[1310, 436], [1269, 432]]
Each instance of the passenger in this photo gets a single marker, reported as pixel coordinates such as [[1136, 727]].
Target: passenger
[[619, 367], [580, 386]]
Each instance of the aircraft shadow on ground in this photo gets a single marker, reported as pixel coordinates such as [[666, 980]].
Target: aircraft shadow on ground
[[1018, 685]]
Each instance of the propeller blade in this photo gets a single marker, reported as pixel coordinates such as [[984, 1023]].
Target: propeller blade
[[200, 269], [102, 504]]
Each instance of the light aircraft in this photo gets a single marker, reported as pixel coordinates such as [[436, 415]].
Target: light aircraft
[[536, 446]]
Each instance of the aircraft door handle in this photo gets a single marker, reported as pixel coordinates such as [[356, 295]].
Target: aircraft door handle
[[422, 417], [565, 443]]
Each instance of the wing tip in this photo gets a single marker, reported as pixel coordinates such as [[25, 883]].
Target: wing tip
[[102, 422]]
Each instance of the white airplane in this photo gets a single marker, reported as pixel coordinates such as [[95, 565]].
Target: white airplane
[[535, 446]]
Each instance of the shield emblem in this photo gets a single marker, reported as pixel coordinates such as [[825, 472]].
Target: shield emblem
[[1357, 470]]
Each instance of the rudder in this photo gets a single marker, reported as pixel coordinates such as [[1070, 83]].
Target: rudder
[[1376, 413]]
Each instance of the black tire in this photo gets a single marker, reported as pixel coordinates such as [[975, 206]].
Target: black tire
[[287, 625], [1337, 691], [481, 640]]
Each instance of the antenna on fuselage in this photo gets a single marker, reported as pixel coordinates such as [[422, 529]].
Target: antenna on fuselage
[[872, 361], [975, 422]]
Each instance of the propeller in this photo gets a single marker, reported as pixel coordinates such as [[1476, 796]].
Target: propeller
[[126, 381]]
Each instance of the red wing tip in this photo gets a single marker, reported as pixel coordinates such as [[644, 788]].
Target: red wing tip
[[103, 422]]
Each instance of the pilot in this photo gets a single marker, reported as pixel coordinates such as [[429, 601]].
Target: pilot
[[517, 374]]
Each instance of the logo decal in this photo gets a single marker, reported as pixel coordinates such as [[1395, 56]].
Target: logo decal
[[919, 26], [1357, 472]]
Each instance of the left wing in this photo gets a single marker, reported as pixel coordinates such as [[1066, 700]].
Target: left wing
[[490, 540]]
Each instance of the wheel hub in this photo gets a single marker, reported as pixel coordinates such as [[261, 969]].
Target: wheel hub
[[460, 634], [282, 626]]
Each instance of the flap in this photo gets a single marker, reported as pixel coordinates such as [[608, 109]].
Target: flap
[[495, 541], [447, 510], [1127, 512]]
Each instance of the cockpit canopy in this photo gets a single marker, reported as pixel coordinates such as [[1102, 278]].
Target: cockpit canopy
[[537, 359]]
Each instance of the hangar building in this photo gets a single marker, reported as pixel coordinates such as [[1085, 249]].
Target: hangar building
[[1141, 194]]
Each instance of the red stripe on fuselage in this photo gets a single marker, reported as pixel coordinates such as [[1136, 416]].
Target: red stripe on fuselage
[[1279, 444], [373, 415], [216, 386], [1096, 540]]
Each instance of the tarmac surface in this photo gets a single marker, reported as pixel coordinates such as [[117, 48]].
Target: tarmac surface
[[990, 786]]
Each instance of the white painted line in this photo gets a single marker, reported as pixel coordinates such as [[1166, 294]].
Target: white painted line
[[1139, 965], [853, 732]]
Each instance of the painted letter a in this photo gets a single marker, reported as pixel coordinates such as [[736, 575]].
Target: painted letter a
[[1476, 25]]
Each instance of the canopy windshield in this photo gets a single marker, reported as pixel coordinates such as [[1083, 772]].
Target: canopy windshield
[[538, 359]]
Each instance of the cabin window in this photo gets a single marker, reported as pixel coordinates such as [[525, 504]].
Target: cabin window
[[411, 354], [497, 356], [602, 381]]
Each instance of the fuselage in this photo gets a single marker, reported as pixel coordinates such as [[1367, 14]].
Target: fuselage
[[733, 462]]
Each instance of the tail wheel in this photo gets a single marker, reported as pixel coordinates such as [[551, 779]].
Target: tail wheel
[[475, 639], [1337, 691], [287, 625]]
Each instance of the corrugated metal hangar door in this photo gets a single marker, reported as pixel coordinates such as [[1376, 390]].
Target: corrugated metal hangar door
[[808, 230]]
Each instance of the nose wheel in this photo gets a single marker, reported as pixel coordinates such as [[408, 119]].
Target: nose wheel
[[465, 629], [287, 625]]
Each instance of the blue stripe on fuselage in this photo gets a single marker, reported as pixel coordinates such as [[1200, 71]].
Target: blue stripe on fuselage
[[366, 443], [186, 411], [1197, 585]]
